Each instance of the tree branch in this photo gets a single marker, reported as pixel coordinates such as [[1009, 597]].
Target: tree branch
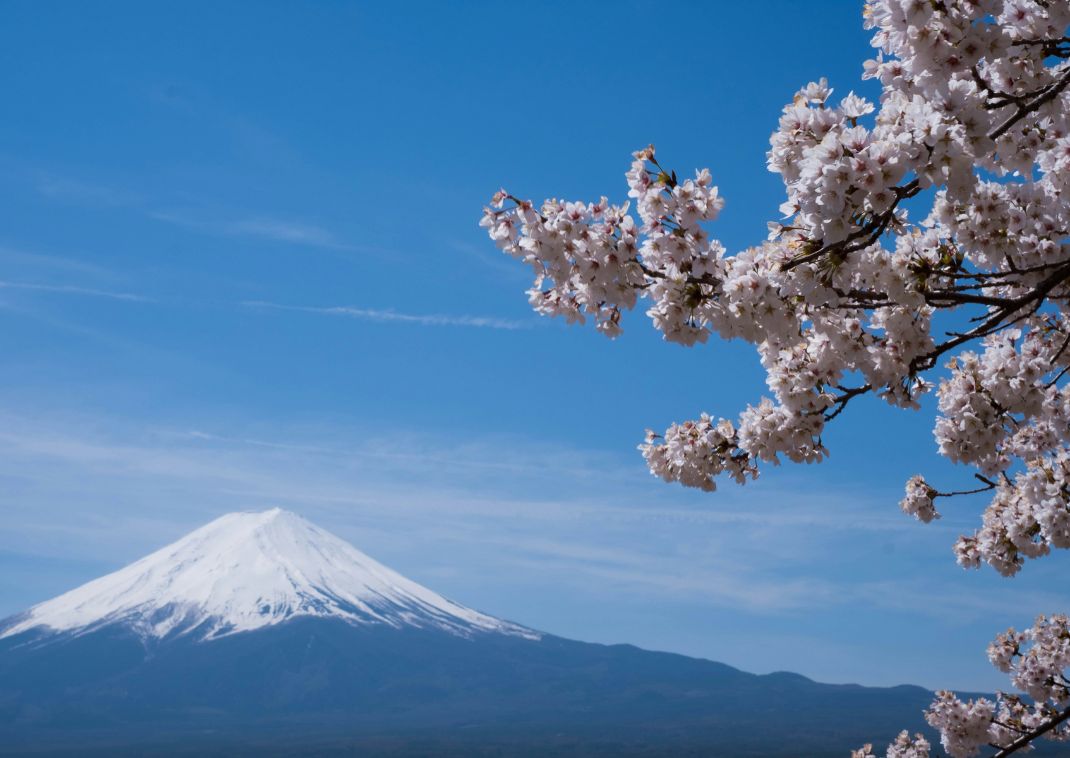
[[1026, 739], [871, 232], [1025, 108]]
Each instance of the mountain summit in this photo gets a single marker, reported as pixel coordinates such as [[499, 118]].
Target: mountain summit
[[246, 571]]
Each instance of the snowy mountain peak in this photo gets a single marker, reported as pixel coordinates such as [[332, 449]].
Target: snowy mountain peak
[[245, 571]]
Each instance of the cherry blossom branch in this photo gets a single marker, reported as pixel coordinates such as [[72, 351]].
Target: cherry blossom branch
[[995, 321], [989, 486], [1027, 739], [1025, 107], [835, 320], [870, 232], [843, 399]]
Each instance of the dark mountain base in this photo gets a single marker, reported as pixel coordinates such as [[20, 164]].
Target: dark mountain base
[[322, 687]]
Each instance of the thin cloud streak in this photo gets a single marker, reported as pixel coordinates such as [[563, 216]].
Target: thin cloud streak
[[253, 226], [53, 263], [485, 516], [284, 231], [258, 227], [571, 535], [70, 289], [84, 193], [491, 258], [390, 316]]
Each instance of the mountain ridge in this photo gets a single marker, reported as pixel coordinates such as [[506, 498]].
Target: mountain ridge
[[423, 691], [177, 654]]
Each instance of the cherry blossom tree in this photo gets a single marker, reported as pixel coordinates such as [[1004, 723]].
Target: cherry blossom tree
[[851, 295]]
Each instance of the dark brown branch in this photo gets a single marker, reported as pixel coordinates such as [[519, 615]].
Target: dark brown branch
[[996, 320], [1025, 107], [1026, 739], [869, 233], [1055, 359], [848, 394], [989, 485], [987, 276], [948, 298], [863, 237]]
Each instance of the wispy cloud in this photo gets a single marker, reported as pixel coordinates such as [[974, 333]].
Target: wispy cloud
[[551, 536], [84, 193], [440, 494], [259, 227], [52, 264], [250, 225], [284, 231], [491, 257], [391, 316], [580, 530], [70, 289]]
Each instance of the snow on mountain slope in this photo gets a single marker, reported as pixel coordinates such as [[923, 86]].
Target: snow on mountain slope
[[245, 571]]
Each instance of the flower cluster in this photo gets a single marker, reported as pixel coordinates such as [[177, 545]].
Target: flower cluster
[[904, 746], [1037, 660], [964, 726], [972, 130], [1029, 515], [586, 252], [840, 301], [919, 500], [694, 452]]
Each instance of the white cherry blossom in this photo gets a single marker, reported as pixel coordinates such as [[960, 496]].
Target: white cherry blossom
[[968, 294]]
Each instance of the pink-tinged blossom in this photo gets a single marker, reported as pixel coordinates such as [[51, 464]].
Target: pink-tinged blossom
[[1037, 660], [919, 500], [974, 118], [849, 295], [904, 746]]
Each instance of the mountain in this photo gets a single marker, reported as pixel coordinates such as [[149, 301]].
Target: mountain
[[247, 571], [262, 634]]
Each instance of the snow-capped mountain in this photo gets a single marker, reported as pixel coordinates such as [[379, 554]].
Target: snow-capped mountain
[[246, 571], [261, 634]]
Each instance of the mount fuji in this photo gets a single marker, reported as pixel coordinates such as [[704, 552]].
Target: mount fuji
[[247, 571], [262, 634]]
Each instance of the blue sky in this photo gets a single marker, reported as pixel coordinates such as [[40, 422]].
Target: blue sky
[[240, 267]]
